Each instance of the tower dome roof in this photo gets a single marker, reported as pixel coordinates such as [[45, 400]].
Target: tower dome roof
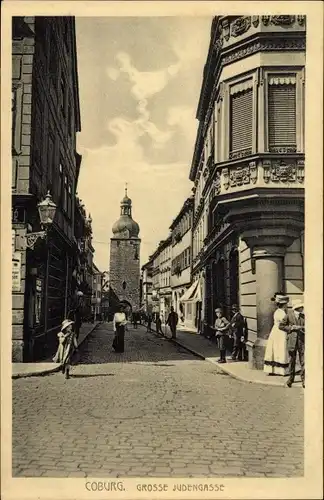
[[125, 226], [126, 223], [126, 200]]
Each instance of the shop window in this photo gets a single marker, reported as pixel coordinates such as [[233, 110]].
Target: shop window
[[241, 122], [282, 113]]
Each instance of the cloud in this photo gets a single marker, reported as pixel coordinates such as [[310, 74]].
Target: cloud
[[183, 118], [154, 188], [113, 73], [145, 84]]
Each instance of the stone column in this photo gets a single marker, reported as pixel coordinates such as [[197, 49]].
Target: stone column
[[269, 263], [268, 247]]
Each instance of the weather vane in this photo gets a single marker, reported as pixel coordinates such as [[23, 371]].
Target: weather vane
[[126, 184]]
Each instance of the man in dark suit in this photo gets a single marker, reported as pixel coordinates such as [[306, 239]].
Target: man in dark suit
[[294, 325], [238, 332]]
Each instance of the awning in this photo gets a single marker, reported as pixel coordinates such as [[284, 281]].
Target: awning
[[193, 294]]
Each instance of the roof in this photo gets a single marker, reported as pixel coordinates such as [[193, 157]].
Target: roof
[[188, 204]]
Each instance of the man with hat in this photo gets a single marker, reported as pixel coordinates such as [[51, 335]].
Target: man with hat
[[294, 325], [239, 334]]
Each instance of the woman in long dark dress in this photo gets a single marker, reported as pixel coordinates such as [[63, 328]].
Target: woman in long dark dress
[[119, 324]]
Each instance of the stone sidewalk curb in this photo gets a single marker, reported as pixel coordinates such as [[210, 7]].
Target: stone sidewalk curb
[[221, 367], [55, 368], [226, 370]]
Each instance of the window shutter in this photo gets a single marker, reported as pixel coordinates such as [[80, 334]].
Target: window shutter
[[241, 123], [282, 115]]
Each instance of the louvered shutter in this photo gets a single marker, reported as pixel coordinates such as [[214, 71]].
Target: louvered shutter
[[241, 121], [282, 115]]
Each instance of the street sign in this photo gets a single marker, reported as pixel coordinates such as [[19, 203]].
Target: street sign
[[16, 271]]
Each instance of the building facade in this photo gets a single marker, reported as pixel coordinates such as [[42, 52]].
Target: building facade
[[124, 271], [161, 278], [147, 286], [97, 282], [45, 121], [181, 257], [248, 170]]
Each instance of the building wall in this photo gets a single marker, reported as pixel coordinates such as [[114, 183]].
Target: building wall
[[45, 122], [124, 267]]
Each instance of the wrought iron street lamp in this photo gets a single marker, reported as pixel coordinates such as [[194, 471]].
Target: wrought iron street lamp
[[46, 210]]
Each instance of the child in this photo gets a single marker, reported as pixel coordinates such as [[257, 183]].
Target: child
[[67, 345], [221, 327]]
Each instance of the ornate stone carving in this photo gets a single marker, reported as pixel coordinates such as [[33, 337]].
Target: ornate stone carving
[[219, 43], [239, 176], [239, 54], [283, 172], [226, 29], [217, 184], [240, 154], [225, 174], [255, 21], [301, 20], [282, 20], [300, 171], [240, 26], [280, 44], [266, 170], [266, 20], [283, 149], [253, 172]]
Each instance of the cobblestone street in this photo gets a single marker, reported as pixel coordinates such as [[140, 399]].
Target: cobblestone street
[[155, 410]]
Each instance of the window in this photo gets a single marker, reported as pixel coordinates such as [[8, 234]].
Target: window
[[50, 160], [69, 117], [62, 97], [65, 194], [241, 120], [53, 64], [70, 201], [282, 113], [38, 131], [60, 184]]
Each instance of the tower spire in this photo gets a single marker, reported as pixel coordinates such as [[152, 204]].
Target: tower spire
[[126, 184]]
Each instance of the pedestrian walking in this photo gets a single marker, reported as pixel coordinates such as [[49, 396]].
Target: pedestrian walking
[[238, 332], [294, 325], [172, 321], [149, 323], [158, 324], [119, 324], [222, 326], [134, 320], [276, 354], [67, 345]]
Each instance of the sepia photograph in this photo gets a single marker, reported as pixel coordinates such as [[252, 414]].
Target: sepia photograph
[[158, 249]]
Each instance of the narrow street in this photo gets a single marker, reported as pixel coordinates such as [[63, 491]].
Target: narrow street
[[155, 410]]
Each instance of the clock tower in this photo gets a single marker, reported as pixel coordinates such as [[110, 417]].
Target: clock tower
[[125, 258]]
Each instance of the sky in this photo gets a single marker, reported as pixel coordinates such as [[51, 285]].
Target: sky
[[139, 84]]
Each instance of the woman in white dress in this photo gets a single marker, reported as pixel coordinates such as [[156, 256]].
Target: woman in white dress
[[276, 354]]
